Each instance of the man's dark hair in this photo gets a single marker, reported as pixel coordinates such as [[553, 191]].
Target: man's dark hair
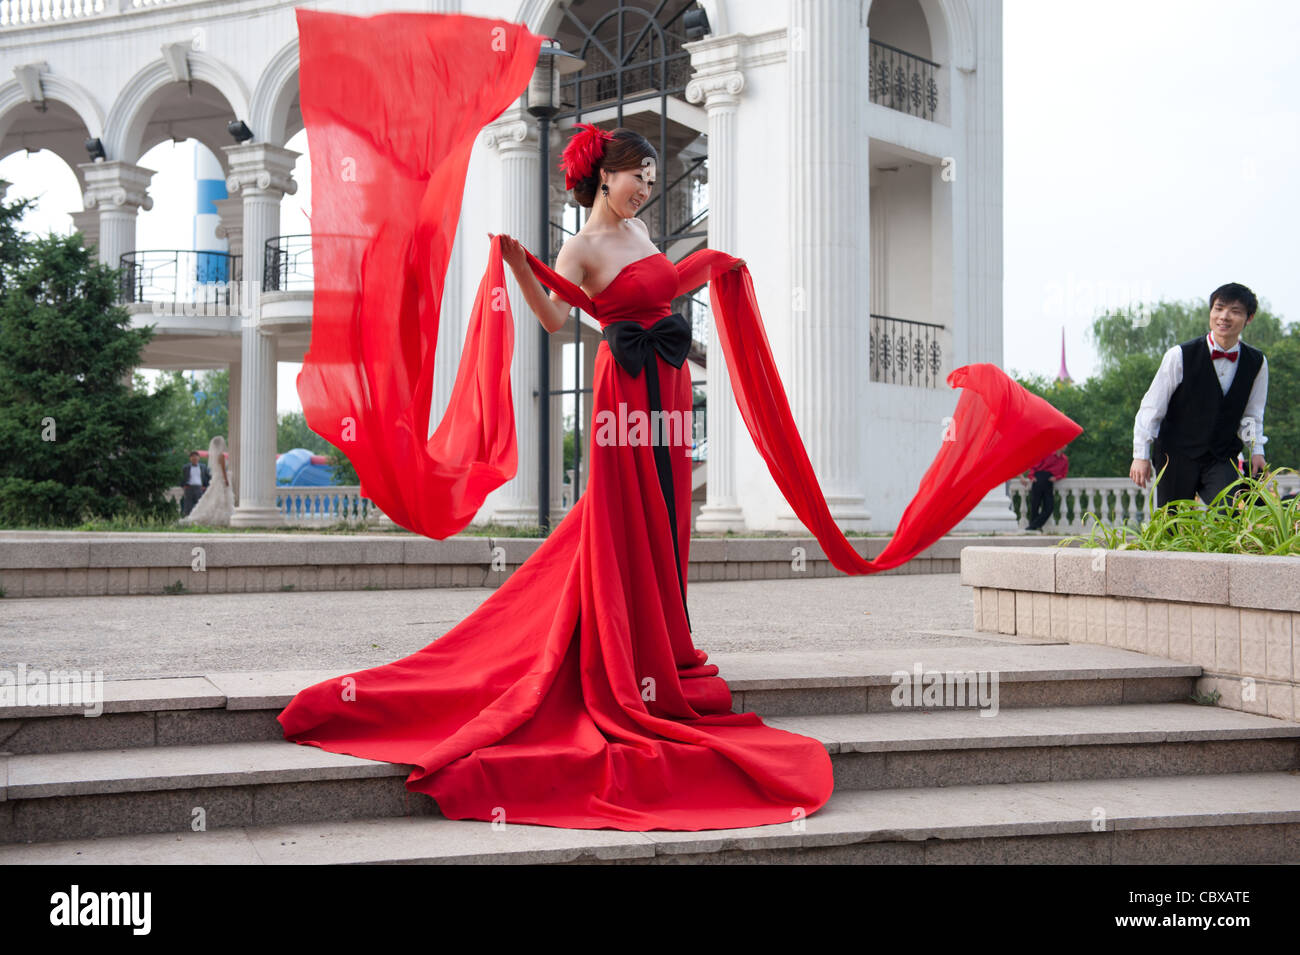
[[1234, 293]]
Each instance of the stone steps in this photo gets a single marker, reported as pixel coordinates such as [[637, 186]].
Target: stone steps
[[171, 754], [1233, 819], [242, 706], [157, 788]]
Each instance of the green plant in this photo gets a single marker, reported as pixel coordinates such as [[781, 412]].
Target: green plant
[[174, 589], [1205, 699], [1246, 517]]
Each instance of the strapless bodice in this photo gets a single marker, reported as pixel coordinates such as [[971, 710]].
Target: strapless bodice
[[642, 292]]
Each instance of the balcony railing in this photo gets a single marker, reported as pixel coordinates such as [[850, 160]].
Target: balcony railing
[[181, 277], [320, 506], [1115, 500], [903, 81], [19, 13], [288, 265], [904, 352]]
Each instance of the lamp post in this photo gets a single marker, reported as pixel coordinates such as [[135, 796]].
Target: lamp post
[[543, 99]]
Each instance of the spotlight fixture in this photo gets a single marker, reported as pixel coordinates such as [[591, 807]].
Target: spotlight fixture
[[241, 132], [96, 150], [696, 23]]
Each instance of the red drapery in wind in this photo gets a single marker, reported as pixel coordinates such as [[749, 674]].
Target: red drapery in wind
[[392, 104]]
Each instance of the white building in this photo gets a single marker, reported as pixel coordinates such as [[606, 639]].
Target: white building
[[849, 150]]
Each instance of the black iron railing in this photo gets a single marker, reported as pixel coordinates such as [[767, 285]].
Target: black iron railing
[[903, 81], [904, 352], [287, 266], [181, 277]]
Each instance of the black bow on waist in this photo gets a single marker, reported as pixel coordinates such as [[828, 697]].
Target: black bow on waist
[[633, 347]]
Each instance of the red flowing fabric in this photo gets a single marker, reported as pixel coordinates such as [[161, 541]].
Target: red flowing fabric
[[574, 695]]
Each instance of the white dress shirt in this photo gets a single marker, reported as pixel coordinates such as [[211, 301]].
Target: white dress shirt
[[1170, 375], [196, 474]]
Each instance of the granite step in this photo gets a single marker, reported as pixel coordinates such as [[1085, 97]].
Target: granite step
[[224, 785], [1234, 819], [241, 706]]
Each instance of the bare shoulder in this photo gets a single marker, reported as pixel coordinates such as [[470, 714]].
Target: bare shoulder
[[641, 222], [572, 259]]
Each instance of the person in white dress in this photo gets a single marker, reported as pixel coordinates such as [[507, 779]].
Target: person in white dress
[[217, 504]]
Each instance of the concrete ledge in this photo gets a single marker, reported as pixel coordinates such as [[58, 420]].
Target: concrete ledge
[[1236, 616], [68, 564]]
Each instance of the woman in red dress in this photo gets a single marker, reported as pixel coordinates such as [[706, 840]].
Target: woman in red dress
[[574, 695]]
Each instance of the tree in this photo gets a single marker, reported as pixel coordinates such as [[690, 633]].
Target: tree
[[76, 438], [1154, 329], [199, 409]]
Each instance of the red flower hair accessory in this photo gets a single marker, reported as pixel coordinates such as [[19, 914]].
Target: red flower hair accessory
[[583, 153]]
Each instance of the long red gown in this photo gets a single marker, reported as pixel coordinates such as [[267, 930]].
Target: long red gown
[[574, 695]]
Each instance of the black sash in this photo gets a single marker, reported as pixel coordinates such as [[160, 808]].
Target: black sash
[[633, 347]]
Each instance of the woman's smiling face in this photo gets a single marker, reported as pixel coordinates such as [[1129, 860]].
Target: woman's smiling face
[[629, 189]]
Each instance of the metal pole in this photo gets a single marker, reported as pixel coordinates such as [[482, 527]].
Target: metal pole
[[544, 349]]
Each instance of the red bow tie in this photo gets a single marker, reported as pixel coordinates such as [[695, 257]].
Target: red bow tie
[[1230, 355]]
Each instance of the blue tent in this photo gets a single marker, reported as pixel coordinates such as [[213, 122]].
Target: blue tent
[[303, 468]]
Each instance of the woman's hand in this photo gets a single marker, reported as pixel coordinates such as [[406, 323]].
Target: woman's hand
[[738, 264], [513, 253]]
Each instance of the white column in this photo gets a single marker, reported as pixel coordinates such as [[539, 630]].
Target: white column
[[232, 416], [230, 224], [515, 137], [718, 84], [117, 191], [978, 200], [262, 174], [87, 223], [451, 331], [828, 249]]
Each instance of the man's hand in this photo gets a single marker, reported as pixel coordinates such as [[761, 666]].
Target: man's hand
[[1140, 472], [1256, 464]]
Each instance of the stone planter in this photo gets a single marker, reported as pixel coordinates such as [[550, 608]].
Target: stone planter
[[1237, 617]]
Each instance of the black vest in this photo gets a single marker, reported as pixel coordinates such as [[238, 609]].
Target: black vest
[[1202, 420]]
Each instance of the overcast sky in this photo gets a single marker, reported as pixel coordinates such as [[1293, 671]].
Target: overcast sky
[[1151, 151]]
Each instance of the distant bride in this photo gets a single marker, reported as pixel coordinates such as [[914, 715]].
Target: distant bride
[[217, 504]]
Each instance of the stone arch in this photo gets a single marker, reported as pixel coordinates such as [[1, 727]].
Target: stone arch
[[952, 33], [273, 97], [540, 16], [134, 105], [60, 89]]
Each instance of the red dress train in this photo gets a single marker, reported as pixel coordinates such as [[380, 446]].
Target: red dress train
[[574, 695]]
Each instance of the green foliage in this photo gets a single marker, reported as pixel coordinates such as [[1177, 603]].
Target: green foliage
[[1154, 329], [197, 410], [1246, 517], [76, 439], [292, 431]]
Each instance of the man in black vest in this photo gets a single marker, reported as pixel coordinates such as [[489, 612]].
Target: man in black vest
[[1205, 403]]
